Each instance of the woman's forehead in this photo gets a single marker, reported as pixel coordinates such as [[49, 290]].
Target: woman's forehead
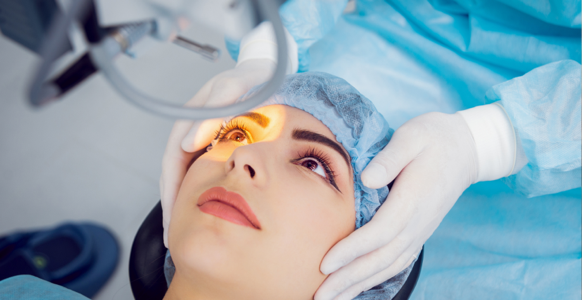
[[290, 118], [296, 124]]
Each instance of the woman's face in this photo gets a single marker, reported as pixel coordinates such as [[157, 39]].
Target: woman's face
[[297, 181]]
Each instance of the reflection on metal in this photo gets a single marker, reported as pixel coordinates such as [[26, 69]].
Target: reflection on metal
[[206, 51]]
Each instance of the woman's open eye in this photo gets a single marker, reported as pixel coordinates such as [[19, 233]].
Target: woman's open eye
[[313, 165], [317, 162], [236, 135], [234, 131]]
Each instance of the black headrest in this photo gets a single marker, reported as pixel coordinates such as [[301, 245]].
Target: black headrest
[[146, 262]]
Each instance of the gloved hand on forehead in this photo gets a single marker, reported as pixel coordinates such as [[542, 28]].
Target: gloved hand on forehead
[[432, 159], [438, 156], [256, 63]]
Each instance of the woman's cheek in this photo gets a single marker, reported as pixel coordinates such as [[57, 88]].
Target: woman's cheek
[[204, 169], [324, 217]]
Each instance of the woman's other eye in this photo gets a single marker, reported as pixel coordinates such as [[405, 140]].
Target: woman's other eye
[[317, 162], [314, 166]]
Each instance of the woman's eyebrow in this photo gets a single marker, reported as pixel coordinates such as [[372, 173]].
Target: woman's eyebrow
[[258, 118], [306, 135]]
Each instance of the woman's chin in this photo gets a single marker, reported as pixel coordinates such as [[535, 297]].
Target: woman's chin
[[204, 252]]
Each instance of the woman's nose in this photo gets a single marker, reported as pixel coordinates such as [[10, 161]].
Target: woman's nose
[[248, 162]]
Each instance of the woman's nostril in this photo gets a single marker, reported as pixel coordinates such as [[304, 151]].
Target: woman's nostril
[[251, 170]]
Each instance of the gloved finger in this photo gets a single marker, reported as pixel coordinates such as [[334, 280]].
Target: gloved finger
[[170, 182], [225, 91], [174, 151], [367, 265], [201, 134], [400, 212], [169, 186], [176, 157], [174, 164], [427, 193], [176, 161], [366, 272], [376, 279], [173, 159], [390, 220], [388, 163]]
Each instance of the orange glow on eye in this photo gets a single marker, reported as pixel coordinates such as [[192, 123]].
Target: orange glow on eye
[[237, 136], [242, 131]]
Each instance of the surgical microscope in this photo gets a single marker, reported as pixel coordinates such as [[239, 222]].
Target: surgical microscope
[[114, 27]]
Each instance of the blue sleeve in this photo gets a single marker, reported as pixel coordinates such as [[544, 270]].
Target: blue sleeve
[[27, 287], [544, 107], [506, 34], [559, 12], [307, 21]]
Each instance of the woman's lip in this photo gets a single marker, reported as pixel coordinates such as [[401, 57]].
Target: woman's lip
[[231, 199]]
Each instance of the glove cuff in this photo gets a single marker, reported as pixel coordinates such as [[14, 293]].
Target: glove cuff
[[261, 43], [495, 140]]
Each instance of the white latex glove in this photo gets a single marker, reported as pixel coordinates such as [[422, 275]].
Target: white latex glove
[[436, 157], [256, 62]]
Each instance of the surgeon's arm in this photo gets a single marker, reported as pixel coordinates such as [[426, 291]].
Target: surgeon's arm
[[433, 158], [544, 107]]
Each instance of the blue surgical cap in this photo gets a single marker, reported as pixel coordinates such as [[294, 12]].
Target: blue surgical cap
[[352, 118]]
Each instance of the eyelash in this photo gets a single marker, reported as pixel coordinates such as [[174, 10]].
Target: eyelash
[[318, 155], [322, 158], [232, 125]]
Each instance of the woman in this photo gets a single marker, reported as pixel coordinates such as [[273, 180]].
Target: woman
[[411, 58], [281, 181], [291, 168]]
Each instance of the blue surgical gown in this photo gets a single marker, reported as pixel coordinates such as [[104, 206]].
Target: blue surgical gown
[[27, 287], [518, 240]]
